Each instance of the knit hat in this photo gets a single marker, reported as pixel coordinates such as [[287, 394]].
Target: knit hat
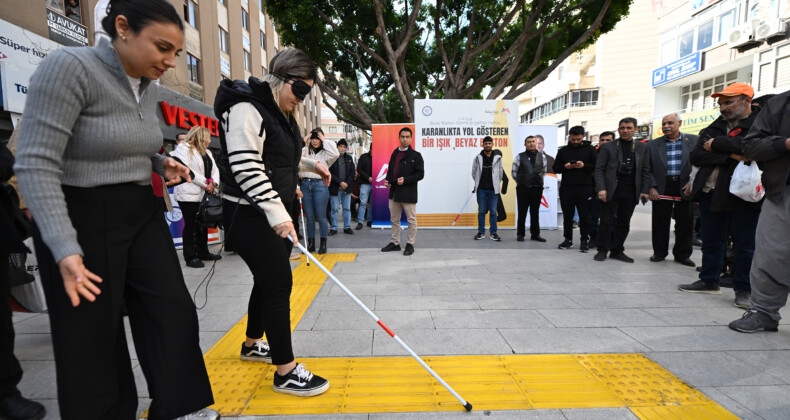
[[342, 142]]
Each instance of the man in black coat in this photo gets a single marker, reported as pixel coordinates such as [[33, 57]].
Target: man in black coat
[[576, 163], [405, 169], [341, 187], [528, 173], [365, 181], [670, 172], [717, 152], [12, 404], [622, 177]]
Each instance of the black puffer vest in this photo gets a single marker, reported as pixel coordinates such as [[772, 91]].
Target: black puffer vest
[[282, 149]]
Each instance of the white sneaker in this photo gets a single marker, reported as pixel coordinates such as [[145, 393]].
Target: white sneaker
[[203, 414], [300, 382]]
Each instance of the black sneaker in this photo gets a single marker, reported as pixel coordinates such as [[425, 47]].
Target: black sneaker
[[686, 261], [19, 407], [743, 300], [300, 382], [390, 247], [332, 232], [348, 231], [753, 321], [619, 256], [584, 247], [726, 280], [195, 263], [408, 250], [700, 286], [520, 238], [479, 236], [656, 258], [370, 224], [566, 244], [495, 237], [537, 238], [211, 257], [359, 226], [258, 352], [600, 256]]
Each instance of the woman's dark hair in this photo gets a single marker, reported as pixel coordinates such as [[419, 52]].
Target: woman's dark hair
[[139, 13]]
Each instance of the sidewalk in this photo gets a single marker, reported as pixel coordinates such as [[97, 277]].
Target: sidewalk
[[457, 296]]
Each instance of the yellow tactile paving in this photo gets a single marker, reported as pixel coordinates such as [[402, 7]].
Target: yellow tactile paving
[[399, 384]]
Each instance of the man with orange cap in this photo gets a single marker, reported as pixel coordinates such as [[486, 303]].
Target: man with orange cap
[[717, 152]]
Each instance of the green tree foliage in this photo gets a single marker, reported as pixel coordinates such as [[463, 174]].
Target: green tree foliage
[[377, 56]]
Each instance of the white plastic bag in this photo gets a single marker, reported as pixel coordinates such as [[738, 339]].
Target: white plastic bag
[[30, 296], [746, 183]]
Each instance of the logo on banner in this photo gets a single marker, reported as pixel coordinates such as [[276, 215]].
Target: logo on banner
[[505, 110], [544, 202], [383, 173], [2, 56], [427, 111]]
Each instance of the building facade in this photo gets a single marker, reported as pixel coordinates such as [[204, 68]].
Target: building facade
[[707, 45], [358, 140], [223, 39], [600, 85]]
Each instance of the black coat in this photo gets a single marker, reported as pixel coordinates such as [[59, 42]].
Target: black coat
[[334, 186], [365, 168], [10, 238], [724, 144], [412, 169], [584, 153], [766, 142], [610, 157]]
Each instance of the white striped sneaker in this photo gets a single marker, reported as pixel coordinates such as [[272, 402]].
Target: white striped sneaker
[[300, 382], [258, 352]]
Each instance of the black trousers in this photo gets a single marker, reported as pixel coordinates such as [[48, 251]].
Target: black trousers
[[572, 198], [620, 207], [10, 371], [266, 255], [195, 238], [663, 213], [529, 199], [127, 243]]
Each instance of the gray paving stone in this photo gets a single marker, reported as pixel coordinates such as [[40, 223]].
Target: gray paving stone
[[524, 301], [340, 303], [622, 300], [537, 287], [699, 300], [441, 342], [776, 362], [463, 287], [337, 343], [416, 278], [402, 303], [695, 316], [377, 289], [359, 320], [36, 347], [463, 319], [34, 324], [620, 413], [475, 414], [570, 340], [600, 318], [713, 368], [38, 379], [768, 402], [728, 403], [705, 339]]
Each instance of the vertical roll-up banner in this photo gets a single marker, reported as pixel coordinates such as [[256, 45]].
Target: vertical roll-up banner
[[385, 141]]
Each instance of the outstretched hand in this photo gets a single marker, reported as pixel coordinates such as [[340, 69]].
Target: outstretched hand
[[77, 280], [175, 172], [324, 172]]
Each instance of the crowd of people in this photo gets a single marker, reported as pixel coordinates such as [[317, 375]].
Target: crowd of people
[[85, 160]]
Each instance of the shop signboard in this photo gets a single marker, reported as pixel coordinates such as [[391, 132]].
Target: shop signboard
[[687, 65], [66, 31], [693, 122]]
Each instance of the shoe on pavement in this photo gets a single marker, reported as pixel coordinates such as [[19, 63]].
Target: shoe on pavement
[[408, 250], [295, 255], [537, 238], [17, 407], [600, 256], [195, 263], [566, 244], [584, 247], [300, 382], [203, 414], [257, 352], [370, 224], [656, 258], [700, 286], [687, 262], [332, 232], [390, 247], [495, 237], [620, 256], [348, 231], [211, 257], [743, 300], [696, 242], [752, 321], [592, 243], [520, 238], [479, 236], [726, 280], [359, 226]]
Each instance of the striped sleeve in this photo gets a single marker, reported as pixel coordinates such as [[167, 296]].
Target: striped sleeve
[[244, 154]]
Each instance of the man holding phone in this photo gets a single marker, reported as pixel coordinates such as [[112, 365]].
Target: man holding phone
[[576, 163]]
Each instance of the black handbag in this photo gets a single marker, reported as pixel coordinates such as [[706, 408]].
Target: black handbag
[[210, 210]]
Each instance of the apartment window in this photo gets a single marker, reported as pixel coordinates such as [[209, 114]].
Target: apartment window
[[696, 96], [260, 5], [700, 32], [705, 35], [247, 61], [333, 129], [263, 71], [193, 66], [726, 23], [223, 40], [223, 2], [190, 12], [69, 8], [263, 40], [686, 43], [245, 19], [774, 68], [586, 97]]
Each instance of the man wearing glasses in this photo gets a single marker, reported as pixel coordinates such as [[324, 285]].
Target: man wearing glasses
[[717, 152]]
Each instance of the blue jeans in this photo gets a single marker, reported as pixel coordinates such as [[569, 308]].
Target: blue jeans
[[486, 203], [345, 199], [364, 196], [714, 237], [316, 197]]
